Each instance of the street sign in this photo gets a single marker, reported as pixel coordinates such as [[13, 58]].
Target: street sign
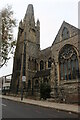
[[23, 78]]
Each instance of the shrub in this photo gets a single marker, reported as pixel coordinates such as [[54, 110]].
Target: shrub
[[45, 90]]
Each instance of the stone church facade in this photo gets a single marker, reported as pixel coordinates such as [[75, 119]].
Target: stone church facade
[[57, 65]]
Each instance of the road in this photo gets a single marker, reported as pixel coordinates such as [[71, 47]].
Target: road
[[12, 109]]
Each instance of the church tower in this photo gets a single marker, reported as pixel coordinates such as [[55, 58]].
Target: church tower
[[27, 51]]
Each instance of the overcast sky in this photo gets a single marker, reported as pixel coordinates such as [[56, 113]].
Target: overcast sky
[[51, 14]]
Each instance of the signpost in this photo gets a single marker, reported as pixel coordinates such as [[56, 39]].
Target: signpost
[[23, 80]]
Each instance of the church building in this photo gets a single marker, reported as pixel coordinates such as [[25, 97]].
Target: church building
[[57, 65]]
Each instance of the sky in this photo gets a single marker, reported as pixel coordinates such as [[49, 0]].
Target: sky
[[51, 14]]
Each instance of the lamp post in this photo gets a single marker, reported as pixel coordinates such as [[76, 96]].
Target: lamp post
[[23, 68], [21, 92]]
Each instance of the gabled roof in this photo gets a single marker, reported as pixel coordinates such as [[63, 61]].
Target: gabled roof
[[45, 53], [46, 50], [73, 31]]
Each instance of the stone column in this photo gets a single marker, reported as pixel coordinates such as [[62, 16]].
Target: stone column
[[20, 84], [52, 80], [27, 57], [38, 66], [31, 84], [58, 74], [46, 64], [52, 75]]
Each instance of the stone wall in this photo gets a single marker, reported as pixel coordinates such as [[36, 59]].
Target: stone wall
[[29, 33]]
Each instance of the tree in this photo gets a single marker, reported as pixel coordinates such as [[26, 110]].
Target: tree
[[7, 43], [45, 90]]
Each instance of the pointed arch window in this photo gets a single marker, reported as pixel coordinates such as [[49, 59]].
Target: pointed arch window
[[41, 65], [68, 63], [65, 33], [49, 62], [65, 70]]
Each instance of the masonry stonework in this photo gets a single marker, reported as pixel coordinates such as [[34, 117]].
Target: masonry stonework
[[55, 65]]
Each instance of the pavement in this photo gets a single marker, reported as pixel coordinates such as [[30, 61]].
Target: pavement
[[59, 106]]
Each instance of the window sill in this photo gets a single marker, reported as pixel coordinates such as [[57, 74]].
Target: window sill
[[70, 81]]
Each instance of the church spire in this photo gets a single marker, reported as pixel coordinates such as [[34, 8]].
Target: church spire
[[30, 15]]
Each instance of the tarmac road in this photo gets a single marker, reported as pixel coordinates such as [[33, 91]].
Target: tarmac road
[[12, 109]]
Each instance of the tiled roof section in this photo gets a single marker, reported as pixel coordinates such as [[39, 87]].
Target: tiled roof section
[[73, 30], [42, 73], [45, 53]]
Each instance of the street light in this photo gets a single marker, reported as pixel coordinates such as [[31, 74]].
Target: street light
[[23, 68]]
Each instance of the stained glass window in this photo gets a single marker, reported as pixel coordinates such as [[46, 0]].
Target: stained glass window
[[77, 68], [69, 65], [65, 70], [61, 69]]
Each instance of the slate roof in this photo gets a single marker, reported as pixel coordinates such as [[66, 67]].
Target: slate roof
[[45, 53], [74, 31]]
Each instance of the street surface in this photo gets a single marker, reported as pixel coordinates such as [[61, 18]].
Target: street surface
[[12, 109]]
